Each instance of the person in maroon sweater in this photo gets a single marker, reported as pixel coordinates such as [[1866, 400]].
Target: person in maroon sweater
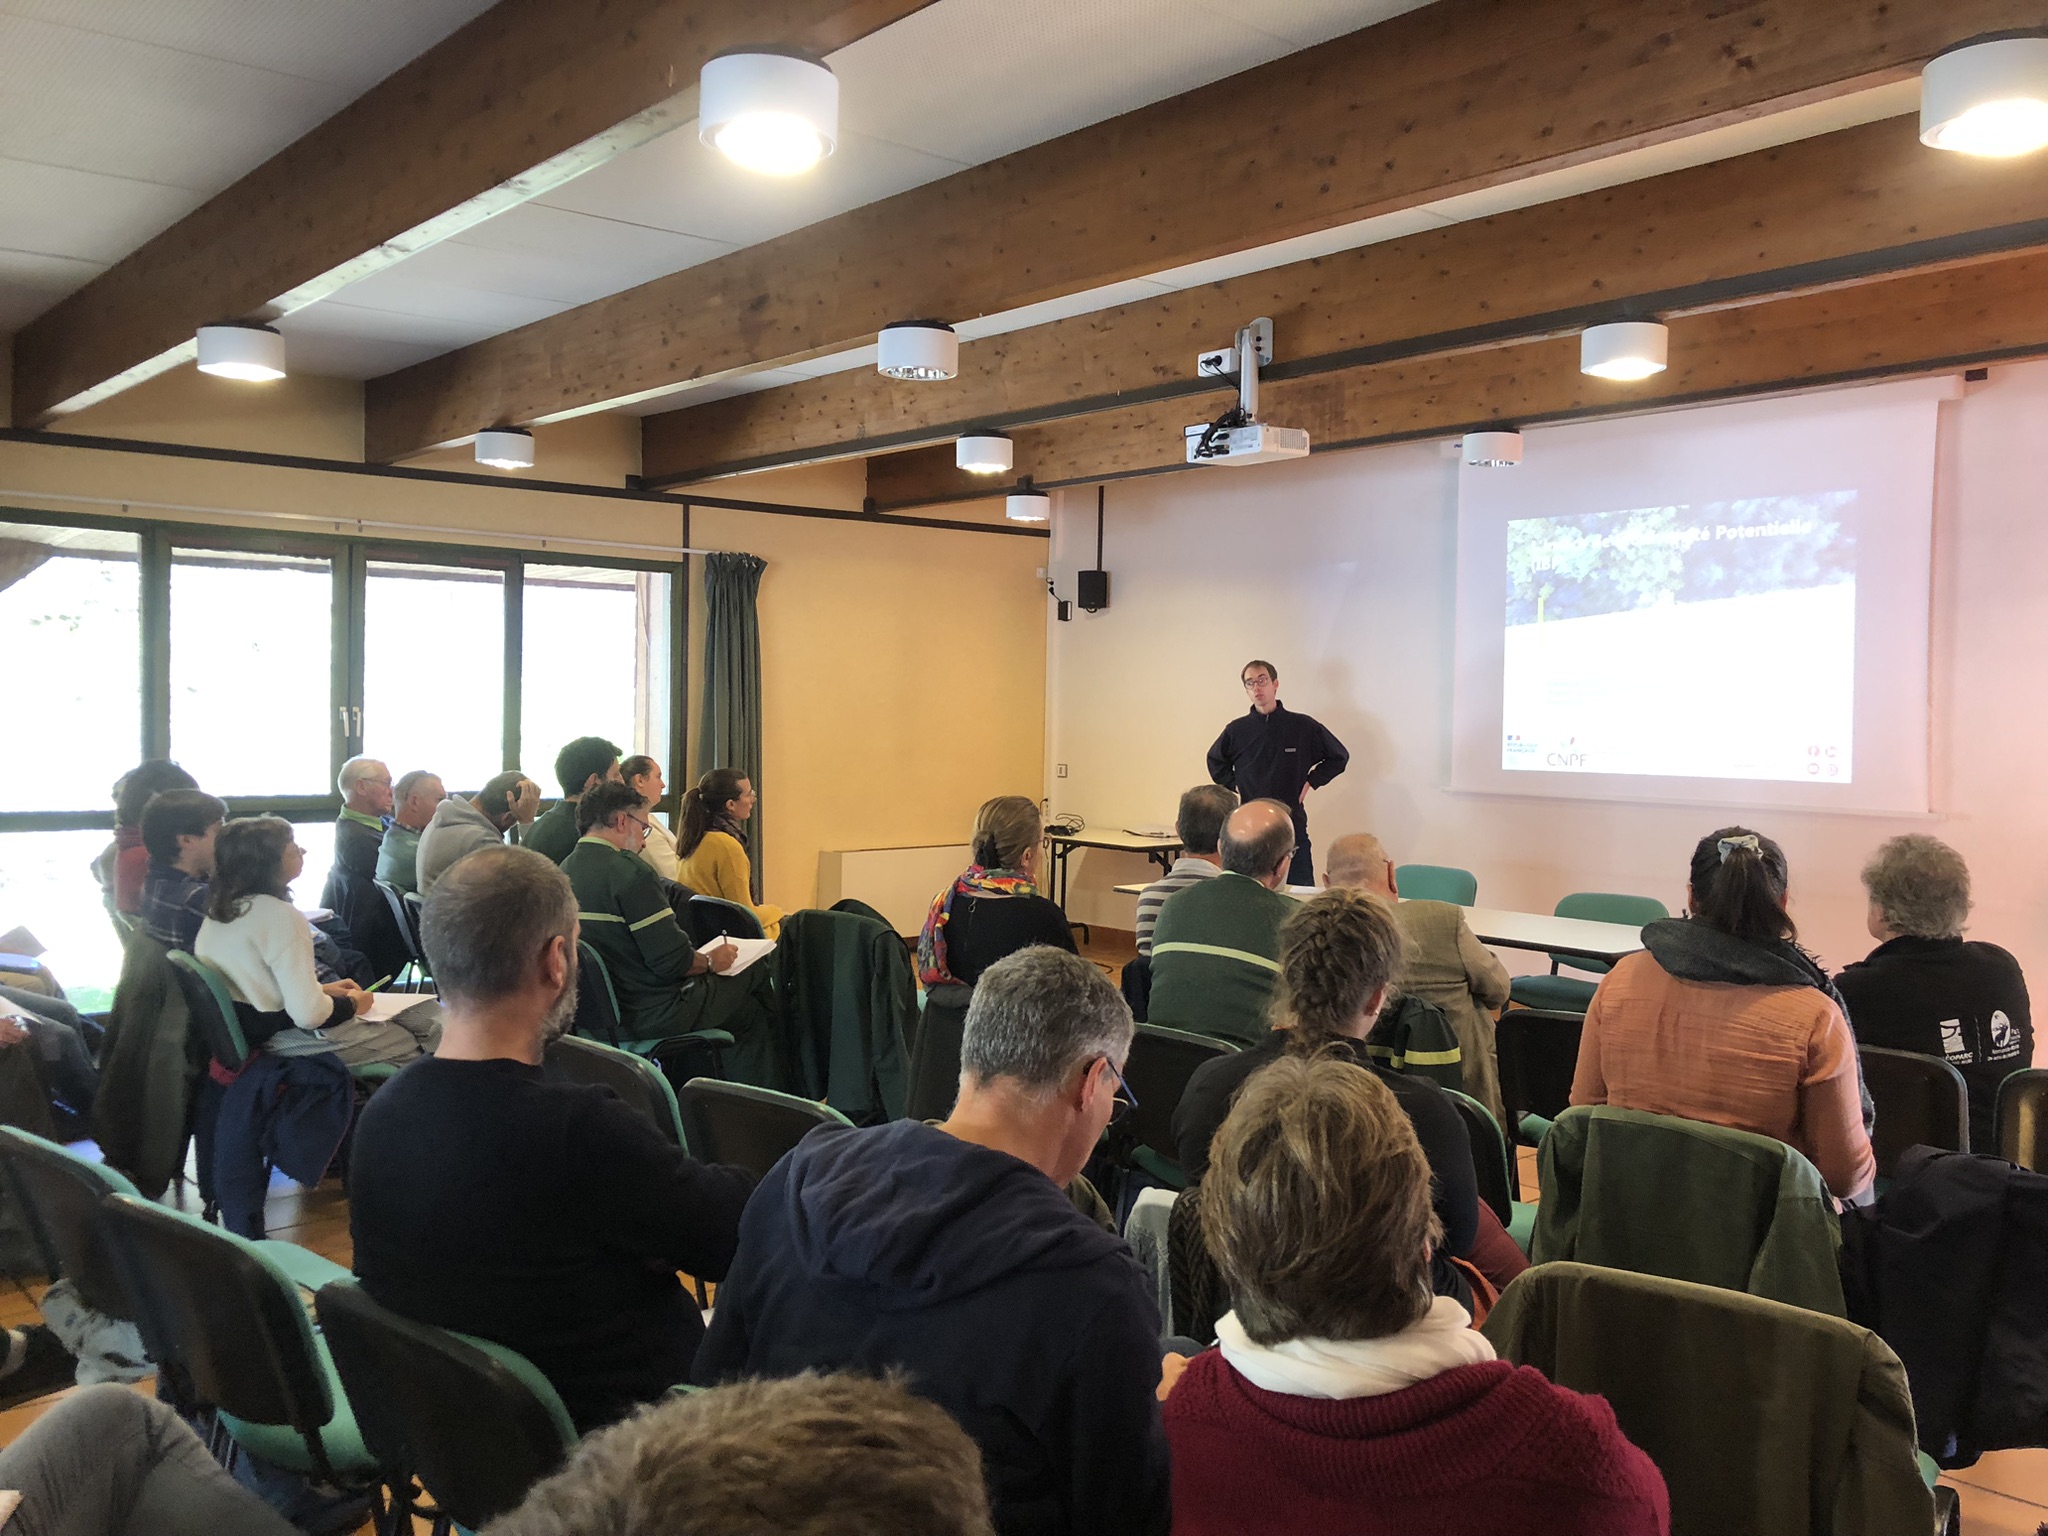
[[1342, 1396]]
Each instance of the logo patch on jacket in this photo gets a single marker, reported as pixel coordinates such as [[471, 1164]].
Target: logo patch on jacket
[[2005, 1040], [1953, 1046]]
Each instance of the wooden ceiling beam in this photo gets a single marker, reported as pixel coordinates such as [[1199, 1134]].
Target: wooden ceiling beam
[[1922, 322], [523, 97], [1849, 206], [1453, 97]]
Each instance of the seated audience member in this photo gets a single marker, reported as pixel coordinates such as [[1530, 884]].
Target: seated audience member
[[1722, 1017], [994, 908], [847, 1455], [124, 863], [952, 1253], [581, 766], [1216, 946], [366, 794], [413, 800], [459, 827], [644, 774], [259, 941], [1925, 988], [664, 986], [547, 1217], [711, 844], [63, 1072], [1340, 960], [178, 829], [108, 1461], [1342, 1396], [1446, 964], [1198, 825]]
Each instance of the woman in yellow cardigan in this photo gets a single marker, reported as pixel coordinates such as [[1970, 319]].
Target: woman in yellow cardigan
[[711, 844]]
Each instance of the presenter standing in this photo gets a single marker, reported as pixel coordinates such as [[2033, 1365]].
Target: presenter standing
[[1271, 753]]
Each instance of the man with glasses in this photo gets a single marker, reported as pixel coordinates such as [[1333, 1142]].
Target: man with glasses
[[664, 986], [951, 1253], [1271, 753], [351, 892]]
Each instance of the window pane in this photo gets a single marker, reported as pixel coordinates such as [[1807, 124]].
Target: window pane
[[594, 662], [433, 671], [70, 630], [317, 838], [46, 886], [252, 707]]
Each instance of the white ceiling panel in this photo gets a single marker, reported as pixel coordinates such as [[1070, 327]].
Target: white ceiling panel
[[30, 282], [408, 290], [551, 253], [83, 214], [346, 342]]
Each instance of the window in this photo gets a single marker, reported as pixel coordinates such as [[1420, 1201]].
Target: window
[[594, 662], [433, 668]]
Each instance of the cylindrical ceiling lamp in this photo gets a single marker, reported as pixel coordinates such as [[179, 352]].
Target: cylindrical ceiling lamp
[[1987, 98], [1027, 504], [505, 448], [984, 453], [253, 354], [919, 350], [773, 113], [1493, 449], [1626, 351]]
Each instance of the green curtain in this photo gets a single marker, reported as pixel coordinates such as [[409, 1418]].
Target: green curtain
[[731, 733]]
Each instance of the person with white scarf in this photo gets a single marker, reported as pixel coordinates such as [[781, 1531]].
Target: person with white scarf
[[1343, 1395]]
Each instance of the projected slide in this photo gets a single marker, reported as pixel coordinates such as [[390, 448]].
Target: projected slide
[[1710, 641]]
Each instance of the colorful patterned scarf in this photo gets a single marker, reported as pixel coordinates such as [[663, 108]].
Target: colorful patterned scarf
[[932, 968]]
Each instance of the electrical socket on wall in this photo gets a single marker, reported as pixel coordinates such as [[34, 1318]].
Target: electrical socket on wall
[[1062, 771]]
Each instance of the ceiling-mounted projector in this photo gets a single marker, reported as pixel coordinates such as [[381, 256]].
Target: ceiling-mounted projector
[[1497, 449], [1238, 436]]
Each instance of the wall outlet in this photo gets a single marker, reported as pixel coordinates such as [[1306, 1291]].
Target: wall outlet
[[1060, 771]]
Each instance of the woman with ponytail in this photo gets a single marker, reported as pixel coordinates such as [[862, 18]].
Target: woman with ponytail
[[711, 843], [1722, 1017], [994, 908]]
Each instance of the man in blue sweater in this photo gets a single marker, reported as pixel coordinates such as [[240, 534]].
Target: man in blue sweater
[[953, 1254]]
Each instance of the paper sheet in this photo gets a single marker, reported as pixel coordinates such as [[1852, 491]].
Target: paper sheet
[[750, 950]]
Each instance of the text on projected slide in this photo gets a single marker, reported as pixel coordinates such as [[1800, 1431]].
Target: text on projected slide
[[1709, 641]]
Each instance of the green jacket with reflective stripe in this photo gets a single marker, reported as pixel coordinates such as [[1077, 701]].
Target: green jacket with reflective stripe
[[630, 924], [1216, 956]]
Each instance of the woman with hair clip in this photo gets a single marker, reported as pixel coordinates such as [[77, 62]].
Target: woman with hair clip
[[993, 909], [711, 845], [1722, 1017], [255, 937]]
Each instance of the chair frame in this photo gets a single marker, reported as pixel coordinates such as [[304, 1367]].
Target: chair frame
[[1933, 1067], [2010, 1092], [697, 1134], [590, 963]]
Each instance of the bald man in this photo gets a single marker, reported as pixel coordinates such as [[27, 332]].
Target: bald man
[[1446, 964], [1216, 946]]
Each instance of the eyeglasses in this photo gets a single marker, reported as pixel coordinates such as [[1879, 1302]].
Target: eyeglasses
[[1125, 1101]]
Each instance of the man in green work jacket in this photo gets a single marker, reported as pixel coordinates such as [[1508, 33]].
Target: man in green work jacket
[[664, 986], [585, 763]]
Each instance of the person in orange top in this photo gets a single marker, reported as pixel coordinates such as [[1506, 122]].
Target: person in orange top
[[1722, 1017]]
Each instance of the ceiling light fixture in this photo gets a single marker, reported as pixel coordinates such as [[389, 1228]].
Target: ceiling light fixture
[[252, 354], [985, 453], [505, 448], [1988, 97], [920, 350], [1496, 449], [1027, 504], [773, 113], [1626, 351]]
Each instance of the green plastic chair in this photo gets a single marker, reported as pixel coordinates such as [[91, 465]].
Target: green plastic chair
[[1569, 994], [2022, 1126], [745, 1126], [1437, 882], [1492, 1161], [1157, 1070], [598, 1018], [212, 1006], [633, 1078]]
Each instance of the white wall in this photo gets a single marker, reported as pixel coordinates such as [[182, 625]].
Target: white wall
[[1341, 570]]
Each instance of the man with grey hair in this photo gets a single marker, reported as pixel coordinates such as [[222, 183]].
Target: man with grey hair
[[952, 1253], [1199, 825], [1216, 948], [351, 892], [1926, 988], [413, 800], [544, 1216]]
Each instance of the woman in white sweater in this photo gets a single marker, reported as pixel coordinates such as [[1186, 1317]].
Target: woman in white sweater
[[257, 939], [659, 852]]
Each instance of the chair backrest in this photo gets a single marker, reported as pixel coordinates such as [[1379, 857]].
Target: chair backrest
[[597, 1003], [1539, 1052], [712, 917], [475, 1422], [1136, 983], [394, 899], [60, 1193], [1158, 1068], [935, 1057], [2023, 1119], [409, 907], [1606, 907], [1437, 882], [633, 1078], [1921, 1101], [744, 1126], [1489, 1155], [212, 1007], [220, 1310]]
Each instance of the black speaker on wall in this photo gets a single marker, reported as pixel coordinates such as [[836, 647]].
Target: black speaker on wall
[[1094, 590]]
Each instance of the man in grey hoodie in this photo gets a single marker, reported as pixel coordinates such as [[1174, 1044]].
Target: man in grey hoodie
[[460, 826]]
